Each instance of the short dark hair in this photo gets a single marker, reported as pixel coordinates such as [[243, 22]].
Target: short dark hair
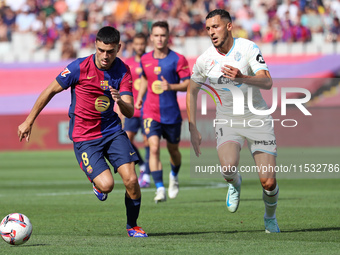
[[141, 35], [223, 13], [162, 24], [108, 35]]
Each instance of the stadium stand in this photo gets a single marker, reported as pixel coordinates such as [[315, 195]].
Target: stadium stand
[[61, 26]]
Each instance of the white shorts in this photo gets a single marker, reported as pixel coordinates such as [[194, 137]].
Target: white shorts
[[258, 132]]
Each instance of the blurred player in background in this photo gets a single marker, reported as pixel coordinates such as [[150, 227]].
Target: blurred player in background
[[164, 73], [97, 83], [228, 64], [132, 125]]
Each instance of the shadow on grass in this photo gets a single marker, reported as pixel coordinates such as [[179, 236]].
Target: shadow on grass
[[242, 231], [202, 232], [31, 245], [242, 200], [312, 230]]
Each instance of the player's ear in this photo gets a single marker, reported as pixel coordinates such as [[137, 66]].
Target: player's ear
[[229, 26], [119, 46]]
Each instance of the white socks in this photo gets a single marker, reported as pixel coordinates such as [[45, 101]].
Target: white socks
[[270, 201], [232, 178]]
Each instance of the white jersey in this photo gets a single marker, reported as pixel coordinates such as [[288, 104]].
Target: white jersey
[[244, 55]]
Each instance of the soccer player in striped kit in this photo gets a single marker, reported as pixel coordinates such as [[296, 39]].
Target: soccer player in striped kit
[[164, 73], [132, 125], [97, 83]]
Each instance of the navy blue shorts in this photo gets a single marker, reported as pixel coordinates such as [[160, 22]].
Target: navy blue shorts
[[116, 148], [134, 124], [170, 132]]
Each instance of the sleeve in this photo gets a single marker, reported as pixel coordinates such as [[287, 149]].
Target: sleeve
[[70, 75], [198, 74], [256, 60], [183, 69], [125, 87]]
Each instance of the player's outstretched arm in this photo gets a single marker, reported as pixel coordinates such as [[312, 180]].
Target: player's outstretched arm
[[177, 87], [142, 90], [24, 130], [191, 103]]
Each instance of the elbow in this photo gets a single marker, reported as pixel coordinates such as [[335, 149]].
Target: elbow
[[268, 84], [130, 114]]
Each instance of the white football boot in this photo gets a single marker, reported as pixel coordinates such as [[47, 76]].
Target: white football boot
[[173, 186], [271, 225], [233, 197], [160, 195]]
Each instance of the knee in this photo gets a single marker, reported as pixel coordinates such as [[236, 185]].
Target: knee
[[154, 150], [131, 183], [229, 166], [269, 184], [174, 152], [106, 187]]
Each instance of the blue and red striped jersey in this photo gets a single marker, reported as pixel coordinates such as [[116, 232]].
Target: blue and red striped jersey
[[162, 106], [91, 111], [136, 71]]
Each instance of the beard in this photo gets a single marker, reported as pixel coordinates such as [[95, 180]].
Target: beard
[[220, 45], [217, 46]]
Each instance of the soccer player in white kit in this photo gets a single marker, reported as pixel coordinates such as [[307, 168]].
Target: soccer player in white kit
[[236, 65]]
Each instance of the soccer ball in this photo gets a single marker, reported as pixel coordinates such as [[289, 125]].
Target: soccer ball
[[16, 228]]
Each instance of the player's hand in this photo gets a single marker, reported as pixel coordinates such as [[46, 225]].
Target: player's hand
[[138, 104], [165, 85], [196, 139], [231, 72], [24, 131], [115, 94]]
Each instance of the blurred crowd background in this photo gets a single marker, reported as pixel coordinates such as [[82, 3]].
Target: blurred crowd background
[[71, 25]]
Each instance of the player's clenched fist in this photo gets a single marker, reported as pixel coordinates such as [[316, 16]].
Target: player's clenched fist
[[139, 104], [115, 94]]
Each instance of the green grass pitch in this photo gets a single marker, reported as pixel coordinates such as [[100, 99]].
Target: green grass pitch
[[67, 218]]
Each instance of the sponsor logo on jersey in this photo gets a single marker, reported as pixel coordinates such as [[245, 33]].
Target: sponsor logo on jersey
[[226, 80], [157, 87], [104, 85], [147, 65], [269, 142], [65, 72], [157, 70], [237, 56], [260, 59], [138, 70], [214, 62], [136, 84], [90, 77], [102, 103]]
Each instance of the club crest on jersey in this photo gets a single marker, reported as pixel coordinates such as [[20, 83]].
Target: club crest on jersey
[[157, 70], [102, 103], [65, 72], [138, 70], [237, 56], [89, 169], [104, 85]]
